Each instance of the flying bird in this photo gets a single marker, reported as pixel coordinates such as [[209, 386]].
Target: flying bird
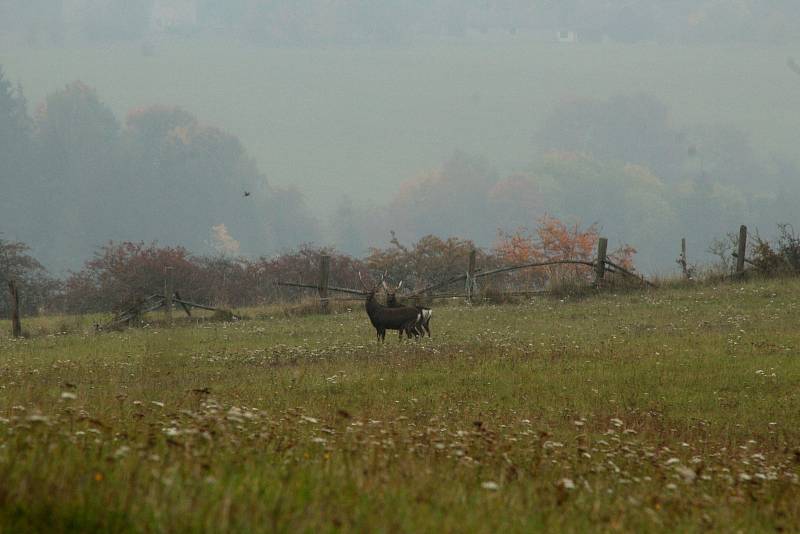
[[246, 193]]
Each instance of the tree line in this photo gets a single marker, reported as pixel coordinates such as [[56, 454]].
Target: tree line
[[74, 176]]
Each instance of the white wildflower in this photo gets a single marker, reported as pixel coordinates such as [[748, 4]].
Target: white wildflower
[[688, 475], [566, 483]]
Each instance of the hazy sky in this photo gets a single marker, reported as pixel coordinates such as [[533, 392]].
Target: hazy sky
[[354, 100]]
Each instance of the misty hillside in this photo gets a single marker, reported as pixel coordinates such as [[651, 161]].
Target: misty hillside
[[151, 120]]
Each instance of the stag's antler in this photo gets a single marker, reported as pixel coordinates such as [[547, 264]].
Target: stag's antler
[[361, 279], [391, 290]]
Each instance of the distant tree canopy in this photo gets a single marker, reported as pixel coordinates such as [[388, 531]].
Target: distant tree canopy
[[77, 178]]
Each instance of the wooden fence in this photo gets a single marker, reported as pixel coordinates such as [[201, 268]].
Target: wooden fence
[[601, 265]]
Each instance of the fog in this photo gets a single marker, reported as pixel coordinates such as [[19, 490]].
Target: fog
[[263, 125]]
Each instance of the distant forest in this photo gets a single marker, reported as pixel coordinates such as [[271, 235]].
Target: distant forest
[[75, 176], [315, 22]]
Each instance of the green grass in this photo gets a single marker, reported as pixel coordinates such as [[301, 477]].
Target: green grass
[[360, 120], [670, 410]]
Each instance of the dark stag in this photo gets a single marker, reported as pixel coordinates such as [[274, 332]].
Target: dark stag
[[383, 318]]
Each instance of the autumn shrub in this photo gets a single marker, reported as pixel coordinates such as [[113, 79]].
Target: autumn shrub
[[781, 257], [552, 241], [122, 274], [789, 246], [429, 261], [766, 259]]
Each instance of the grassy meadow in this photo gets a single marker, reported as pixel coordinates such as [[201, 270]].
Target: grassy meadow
[[668, 410]]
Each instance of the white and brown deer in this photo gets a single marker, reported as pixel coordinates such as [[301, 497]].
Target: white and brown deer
[[423, 325]]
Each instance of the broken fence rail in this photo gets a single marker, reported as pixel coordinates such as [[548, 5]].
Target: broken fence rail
[[154, 302], [476, 275]]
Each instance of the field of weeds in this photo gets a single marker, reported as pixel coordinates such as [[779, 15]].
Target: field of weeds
[[659, 411]]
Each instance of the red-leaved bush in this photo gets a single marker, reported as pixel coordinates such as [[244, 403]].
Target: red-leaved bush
[[124, 273]]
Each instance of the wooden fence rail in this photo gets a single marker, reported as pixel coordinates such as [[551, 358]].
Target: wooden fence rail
[[315, 286], [469, 278]]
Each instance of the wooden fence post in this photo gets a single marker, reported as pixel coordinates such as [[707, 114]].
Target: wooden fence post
[[600, 265], [683, 259], [169, 291], [16, 326], [742, 250], [471, 275], [324, 275]]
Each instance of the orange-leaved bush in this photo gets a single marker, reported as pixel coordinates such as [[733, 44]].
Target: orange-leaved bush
[[555, 240]]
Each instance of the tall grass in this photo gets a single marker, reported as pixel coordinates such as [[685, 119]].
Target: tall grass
[[667, 410]]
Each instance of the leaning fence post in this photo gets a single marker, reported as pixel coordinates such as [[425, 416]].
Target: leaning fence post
[[16, 326], [471, 275], [169, 290], [742, 250], [600, 266], [324, 275]]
